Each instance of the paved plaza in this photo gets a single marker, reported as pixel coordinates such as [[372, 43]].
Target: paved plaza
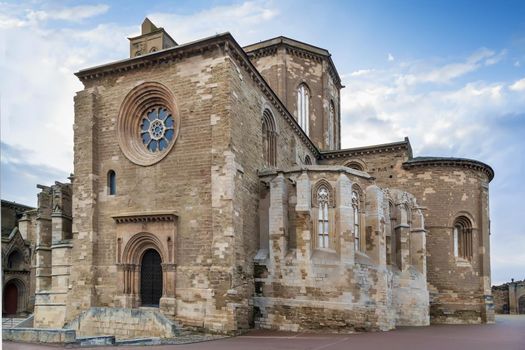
[[507, 334]]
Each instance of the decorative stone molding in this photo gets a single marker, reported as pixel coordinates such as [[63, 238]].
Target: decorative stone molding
[[144, 217], [139, 101]]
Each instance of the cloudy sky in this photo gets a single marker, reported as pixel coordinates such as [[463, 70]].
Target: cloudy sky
[[448, 74]]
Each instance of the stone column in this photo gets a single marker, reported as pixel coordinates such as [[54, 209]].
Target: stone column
[[168, 303], [278, 221], [487, 313], [85, 213], [418, 256], [375, 238], [513, 301], [402, 231], [303, 219], [344, 219]]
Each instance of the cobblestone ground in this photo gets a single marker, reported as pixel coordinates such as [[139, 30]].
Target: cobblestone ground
[[507, 334]]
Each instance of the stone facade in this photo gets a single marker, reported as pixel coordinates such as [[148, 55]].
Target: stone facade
[[509, 298], [196, 190]]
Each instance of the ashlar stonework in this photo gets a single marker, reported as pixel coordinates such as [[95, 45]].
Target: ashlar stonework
[[209, 185]]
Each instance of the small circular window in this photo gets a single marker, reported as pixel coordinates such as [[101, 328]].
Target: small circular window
[[157, 129]]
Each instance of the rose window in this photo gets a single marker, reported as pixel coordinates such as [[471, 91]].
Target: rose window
[[157, 129]]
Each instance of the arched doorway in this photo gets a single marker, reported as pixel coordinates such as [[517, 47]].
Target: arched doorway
[[521, 305], [150, 278], [10, 298]]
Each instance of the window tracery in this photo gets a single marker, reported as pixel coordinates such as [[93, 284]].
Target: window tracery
[[303, 107]]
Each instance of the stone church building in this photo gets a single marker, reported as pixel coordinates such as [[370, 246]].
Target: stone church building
[[210, 188]]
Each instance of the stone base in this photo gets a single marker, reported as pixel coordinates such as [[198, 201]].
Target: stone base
[[168, 306]]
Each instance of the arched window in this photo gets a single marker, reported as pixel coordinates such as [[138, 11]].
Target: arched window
[[331, 126], [112, 183], [323, 230], [303, 107], [353, 164], [356, 209], [15, 260], [307, 160], [269, 138], [462, 233]]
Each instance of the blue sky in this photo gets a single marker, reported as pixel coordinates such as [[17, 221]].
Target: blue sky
[[448, 74]]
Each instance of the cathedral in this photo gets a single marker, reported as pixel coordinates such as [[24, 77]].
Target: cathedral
[[210, 192]]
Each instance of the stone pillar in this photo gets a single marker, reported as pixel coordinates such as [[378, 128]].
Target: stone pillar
[[513, 301], [487, 313], [344, 219], [375, 246], [278, 220], [168, 303], [418, 252], [85, 214], [43, 240], [402, 238], [303, 220]]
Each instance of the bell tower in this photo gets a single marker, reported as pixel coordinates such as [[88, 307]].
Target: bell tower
[[150, 40]]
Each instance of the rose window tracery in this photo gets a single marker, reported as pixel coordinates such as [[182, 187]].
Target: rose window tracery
[[157, 129]]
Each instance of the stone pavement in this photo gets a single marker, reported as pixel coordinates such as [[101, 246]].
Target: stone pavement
[[507, 334]]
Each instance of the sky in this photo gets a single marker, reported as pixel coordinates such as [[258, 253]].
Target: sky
[[448, 74]]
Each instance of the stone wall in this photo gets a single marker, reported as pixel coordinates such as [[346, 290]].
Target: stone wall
[[302, 286], [447, 189]]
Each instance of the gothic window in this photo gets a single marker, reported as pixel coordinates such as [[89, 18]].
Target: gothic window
[[269, 138], [331, 122], [15, 260], [157, 129], [307, 160], [112, 182], [356, 210], [303, 107], [462, 232], [323, 230]]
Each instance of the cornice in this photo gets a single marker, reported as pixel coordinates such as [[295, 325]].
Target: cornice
[[167, 216], [450, 162], [359, 151]]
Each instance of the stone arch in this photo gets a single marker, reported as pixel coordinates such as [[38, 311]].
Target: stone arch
[[307, 160], [356, 164], [138, 244], [269, 138], [466, 215], [15, 259], [21, 294], [317, 186], [130, 266]]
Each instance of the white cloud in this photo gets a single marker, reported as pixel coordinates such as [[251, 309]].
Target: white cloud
[[69, 14], [518, 85], [243, 20], [390, 57]]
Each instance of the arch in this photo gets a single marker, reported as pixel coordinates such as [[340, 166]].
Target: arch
[[331, 125], [112, 182], [303, 107], [307, 160], [329, 188], [357, 208], [14, 296], [151, 279], [462, 238], [356, 164], [15, 260], [269, 138], [138, 244]]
